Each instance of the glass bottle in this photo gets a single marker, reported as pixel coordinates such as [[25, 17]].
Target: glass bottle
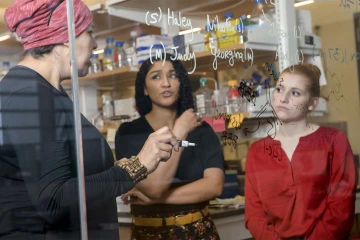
[[234, 97], [110, 44], [130, 49], [120, 59], [108, 60], [95, 64]]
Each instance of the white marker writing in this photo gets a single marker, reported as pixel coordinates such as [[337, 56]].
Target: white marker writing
[[227, 27], [184, 57], [158, 53], [180, 21], [278, 32], [232, 55], [156, 17], [293, 60]]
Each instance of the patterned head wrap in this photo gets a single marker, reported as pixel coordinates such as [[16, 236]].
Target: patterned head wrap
[[44, 22]]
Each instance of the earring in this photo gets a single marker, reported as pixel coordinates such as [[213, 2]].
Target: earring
[[310, 108], [68, 51]]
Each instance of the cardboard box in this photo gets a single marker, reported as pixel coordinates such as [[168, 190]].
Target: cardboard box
[[187, 44], [148, 40]]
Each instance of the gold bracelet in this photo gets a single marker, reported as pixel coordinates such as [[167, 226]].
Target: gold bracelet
[[135, 168]]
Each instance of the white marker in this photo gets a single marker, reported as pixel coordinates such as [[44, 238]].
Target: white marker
[[186, 144]]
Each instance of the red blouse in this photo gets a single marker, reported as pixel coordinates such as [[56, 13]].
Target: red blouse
[[312, 196]]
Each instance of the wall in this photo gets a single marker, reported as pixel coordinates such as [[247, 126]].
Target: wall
[[342, 35]]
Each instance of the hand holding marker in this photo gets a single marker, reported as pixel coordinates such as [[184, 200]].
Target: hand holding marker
[[187, 143]]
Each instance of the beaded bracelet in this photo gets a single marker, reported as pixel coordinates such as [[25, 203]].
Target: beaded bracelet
[[135, 168]]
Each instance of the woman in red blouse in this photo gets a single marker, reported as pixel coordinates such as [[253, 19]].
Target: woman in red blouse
[[300, 182]]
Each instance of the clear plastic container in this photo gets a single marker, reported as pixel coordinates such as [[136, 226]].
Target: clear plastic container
[[203, 97], [130, 49], [120, 59], [95, 64], [234, 98], [108, 108], [108, 60]]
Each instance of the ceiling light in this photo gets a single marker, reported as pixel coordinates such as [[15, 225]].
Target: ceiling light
[[248, 16], [303, 3], [190, 31], [5, 37]]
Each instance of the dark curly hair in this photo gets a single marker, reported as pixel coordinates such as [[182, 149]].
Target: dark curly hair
[[143, 102]]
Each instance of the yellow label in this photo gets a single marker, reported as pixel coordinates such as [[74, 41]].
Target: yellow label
[[227, 32], [235, 120]]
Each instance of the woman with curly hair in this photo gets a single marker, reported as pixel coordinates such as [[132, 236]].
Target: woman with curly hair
[[171, 203]]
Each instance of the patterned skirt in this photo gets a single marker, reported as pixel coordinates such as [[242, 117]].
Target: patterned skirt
[[203, 229]]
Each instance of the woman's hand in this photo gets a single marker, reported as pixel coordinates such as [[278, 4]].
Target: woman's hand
[[187, 122], [157, 148], [134, 196]]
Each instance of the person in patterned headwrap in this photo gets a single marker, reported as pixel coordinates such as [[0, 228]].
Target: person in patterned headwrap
[[38, 177]]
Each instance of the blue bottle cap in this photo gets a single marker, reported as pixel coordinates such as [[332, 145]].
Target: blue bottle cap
[[259, 1], [119, 43], [109, 39], [228, 15], [107, 51]]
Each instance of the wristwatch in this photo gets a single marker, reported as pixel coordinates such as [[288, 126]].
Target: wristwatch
[[135, 168]]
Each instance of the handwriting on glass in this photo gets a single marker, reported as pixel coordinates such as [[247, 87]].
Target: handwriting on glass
[[228, 27], [247, 92], [171, 19], [270, 68], [177, 56], [229, 139], [278, 32], [336, 88], [294, 59], [229, 117], [346, 4], [274, 151], [336, 54], [246, 54]]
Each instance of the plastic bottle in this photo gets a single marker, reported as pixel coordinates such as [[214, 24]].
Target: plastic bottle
[[120, 59], [5, 69], [95, 64], [218, 101], [130, 49], [108, 108], [234, 97], [108, 60], [203, 98]]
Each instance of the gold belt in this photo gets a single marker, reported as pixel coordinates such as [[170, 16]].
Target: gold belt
[[179, 220]]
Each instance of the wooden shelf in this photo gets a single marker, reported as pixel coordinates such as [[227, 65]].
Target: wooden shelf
[[205, 60], [124, 77]]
